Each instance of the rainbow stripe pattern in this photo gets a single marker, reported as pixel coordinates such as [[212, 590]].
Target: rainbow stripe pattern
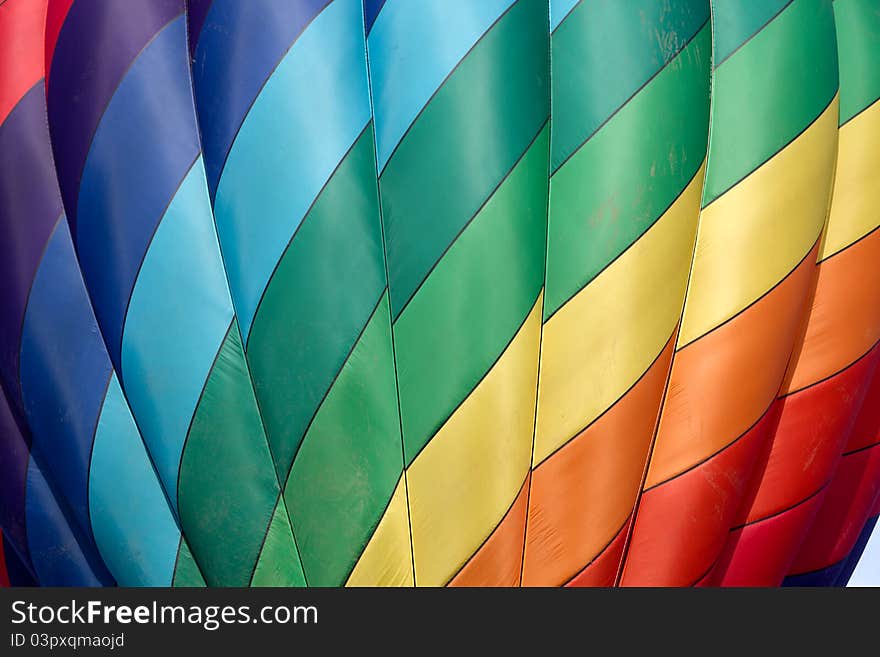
[[447, 293]]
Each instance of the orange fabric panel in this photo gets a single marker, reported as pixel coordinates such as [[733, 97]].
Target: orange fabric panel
[[751, 352], [583, 493], [602, 571], [498, 562], [682, 524], [844, 320], [20, 20]]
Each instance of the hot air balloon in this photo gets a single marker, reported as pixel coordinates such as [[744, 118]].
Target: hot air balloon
[[624, 204], [449, 293], [765, 200], [840, 345]]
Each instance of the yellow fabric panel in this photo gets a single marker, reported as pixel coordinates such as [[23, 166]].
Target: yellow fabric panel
[[758, 231], [600, 342], [387, 560], [855, 209], [465, 479]]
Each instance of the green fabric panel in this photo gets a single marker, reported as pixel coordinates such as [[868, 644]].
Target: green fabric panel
[[769, 91], [279, 563], [322, 293], [623, 179], [474, 301], [603, 52], [350, 459], [737, 21], [186, 572], [227, 487], [858, 37], [464, 143]]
